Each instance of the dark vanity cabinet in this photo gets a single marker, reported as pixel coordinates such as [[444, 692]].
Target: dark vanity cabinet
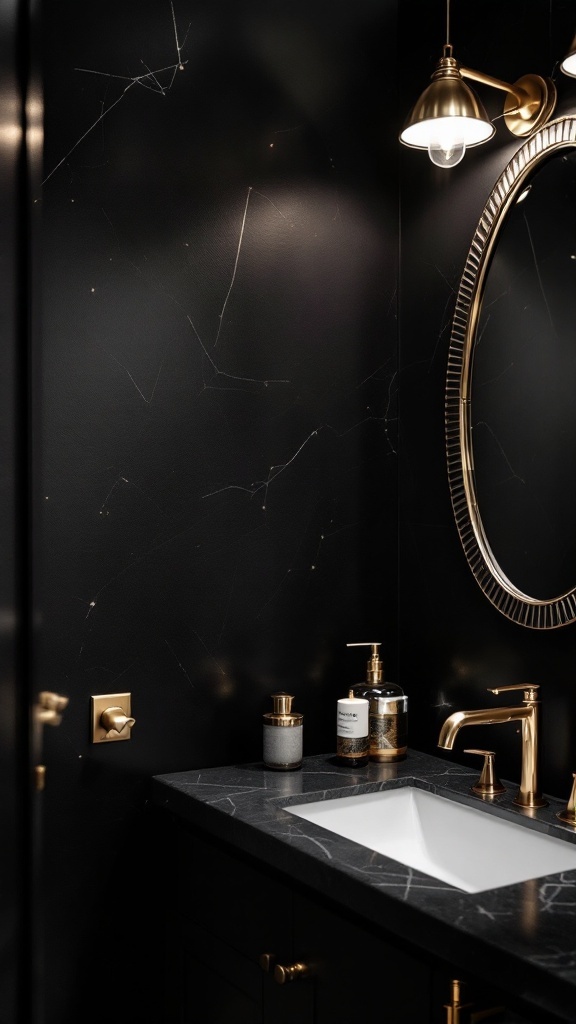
[[233, 921]]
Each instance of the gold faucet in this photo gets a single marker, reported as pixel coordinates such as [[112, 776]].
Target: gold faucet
[[529, 714]]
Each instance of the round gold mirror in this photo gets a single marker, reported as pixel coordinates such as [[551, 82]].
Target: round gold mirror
[[504, 390]]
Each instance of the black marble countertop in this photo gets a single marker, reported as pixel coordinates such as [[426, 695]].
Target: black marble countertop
[[520, 938]]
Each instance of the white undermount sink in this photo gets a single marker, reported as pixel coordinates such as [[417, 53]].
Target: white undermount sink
[[468, 848]]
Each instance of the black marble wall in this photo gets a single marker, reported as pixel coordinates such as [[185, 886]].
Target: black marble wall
[[453, 644], [218, 435], [218, 417]]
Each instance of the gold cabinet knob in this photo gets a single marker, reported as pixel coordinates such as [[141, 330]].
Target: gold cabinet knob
[[115, 720], [292, 972], [488, 784]]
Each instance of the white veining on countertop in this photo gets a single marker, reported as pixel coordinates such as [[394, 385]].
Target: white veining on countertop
[[554, 894], [532, 920]]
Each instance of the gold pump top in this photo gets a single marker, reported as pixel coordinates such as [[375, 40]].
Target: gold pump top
[[282, 715], [374, 666]]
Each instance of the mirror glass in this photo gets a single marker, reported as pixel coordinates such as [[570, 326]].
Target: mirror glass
[[511, 387], [523, 386]]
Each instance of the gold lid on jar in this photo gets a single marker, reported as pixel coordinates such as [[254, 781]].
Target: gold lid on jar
[[282, 714]]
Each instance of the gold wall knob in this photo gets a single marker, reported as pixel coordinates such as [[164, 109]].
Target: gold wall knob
[[115, 720], [292, 972], [111, 717]]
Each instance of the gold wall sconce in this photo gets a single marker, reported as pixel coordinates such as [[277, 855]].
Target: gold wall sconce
[[448, 117]]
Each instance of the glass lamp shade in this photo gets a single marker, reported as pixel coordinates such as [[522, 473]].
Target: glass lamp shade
[[568, 65], [448, 108]]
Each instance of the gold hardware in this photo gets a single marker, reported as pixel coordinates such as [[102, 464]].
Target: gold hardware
[[47, 711], [111, 720], [293, 972], [568, 815], [488, 785], [266, 961], [374, 666], [528, 713], [282, 715], [529, 690], [449, 100], [40, 778], [529, 102], [455, 1007]]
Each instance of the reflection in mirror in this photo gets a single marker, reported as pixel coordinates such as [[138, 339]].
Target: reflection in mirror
[[523, 387], [510, 409]]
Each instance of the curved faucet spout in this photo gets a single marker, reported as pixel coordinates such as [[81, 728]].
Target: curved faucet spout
[[527, 713], [484, 716]]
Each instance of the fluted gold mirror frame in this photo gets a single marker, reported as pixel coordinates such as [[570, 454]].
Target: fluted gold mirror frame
[[504, 595]]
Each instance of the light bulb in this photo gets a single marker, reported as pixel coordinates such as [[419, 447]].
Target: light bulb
[[445, 151]]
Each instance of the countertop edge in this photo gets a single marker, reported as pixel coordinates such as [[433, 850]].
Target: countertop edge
[[535, 987]]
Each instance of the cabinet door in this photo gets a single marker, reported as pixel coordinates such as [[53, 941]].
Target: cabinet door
[[228, 914], [357, 976], [229, 898]]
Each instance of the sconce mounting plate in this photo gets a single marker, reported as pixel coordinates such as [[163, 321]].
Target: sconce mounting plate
[[538, 99]]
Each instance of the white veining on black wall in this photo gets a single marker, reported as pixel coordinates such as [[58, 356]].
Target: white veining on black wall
[[219, 398], [152, 80]]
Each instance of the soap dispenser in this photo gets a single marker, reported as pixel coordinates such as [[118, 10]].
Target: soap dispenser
[[282, 735], [388, 710]]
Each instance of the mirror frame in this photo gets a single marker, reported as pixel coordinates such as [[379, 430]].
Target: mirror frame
[[504, 595]]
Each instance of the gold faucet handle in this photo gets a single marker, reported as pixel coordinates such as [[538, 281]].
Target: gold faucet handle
[[530, 690], [488, 784], [115, 720], [568, 815]]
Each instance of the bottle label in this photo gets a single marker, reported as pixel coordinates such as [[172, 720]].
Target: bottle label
[[352, 718], [353, 747], [388, 735]]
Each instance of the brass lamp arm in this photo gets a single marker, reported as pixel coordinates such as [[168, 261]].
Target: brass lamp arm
[[496, 83], [530, 101]]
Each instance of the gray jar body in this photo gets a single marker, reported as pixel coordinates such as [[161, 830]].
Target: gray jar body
[[282, 746]]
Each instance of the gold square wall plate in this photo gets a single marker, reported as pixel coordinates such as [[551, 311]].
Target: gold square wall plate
[[111, 717]]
